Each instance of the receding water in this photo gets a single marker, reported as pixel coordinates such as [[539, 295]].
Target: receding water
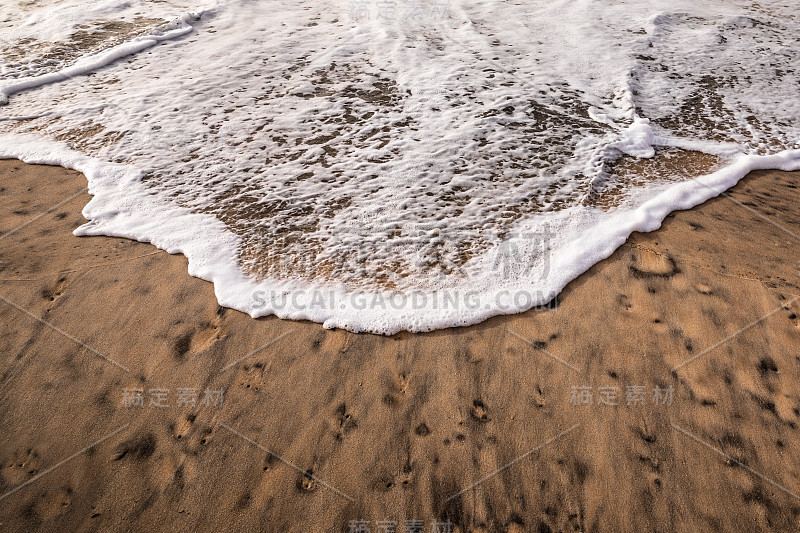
[[331, 149]]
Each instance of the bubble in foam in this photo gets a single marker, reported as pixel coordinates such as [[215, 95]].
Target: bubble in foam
[[298, 148]]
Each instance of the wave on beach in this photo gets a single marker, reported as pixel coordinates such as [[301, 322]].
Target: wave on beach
[[381, 166]]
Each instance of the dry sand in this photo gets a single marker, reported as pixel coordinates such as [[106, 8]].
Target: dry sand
[[402, 428]]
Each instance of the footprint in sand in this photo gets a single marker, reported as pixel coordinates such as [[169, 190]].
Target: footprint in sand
[[407, 477], [53, 502], [199, 340], [22, 466], [398, 387], [54, 293], [702, 288], [252, 376], [647, 263], [479, 411], [269, 462], [345, 420], [139, 447], [306, 483]]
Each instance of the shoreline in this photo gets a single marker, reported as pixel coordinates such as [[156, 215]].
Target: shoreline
[[366, 427], [212, 247]]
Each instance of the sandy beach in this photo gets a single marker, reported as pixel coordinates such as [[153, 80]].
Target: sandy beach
[[661, 394]]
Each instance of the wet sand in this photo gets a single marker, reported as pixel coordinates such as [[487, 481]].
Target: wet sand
[[661, 394]]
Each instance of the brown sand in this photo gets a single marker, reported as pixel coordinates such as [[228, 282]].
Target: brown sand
[[389, 428]]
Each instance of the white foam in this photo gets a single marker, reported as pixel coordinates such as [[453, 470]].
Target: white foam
[[383, 175], [94, 62]]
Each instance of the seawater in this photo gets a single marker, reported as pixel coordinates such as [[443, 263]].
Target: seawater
[[377, 159]]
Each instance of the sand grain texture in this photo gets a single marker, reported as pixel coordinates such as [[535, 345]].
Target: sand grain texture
[[391, 428]]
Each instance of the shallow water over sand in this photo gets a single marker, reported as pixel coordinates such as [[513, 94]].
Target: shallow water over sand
[[314, 159]]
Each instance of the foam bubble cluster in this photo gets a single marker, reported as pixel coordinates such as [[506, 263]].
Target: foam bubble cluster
[[384, 169]]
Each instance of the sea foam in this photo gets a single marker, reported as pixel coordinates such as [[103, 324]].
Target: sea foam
[[406, 170]]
